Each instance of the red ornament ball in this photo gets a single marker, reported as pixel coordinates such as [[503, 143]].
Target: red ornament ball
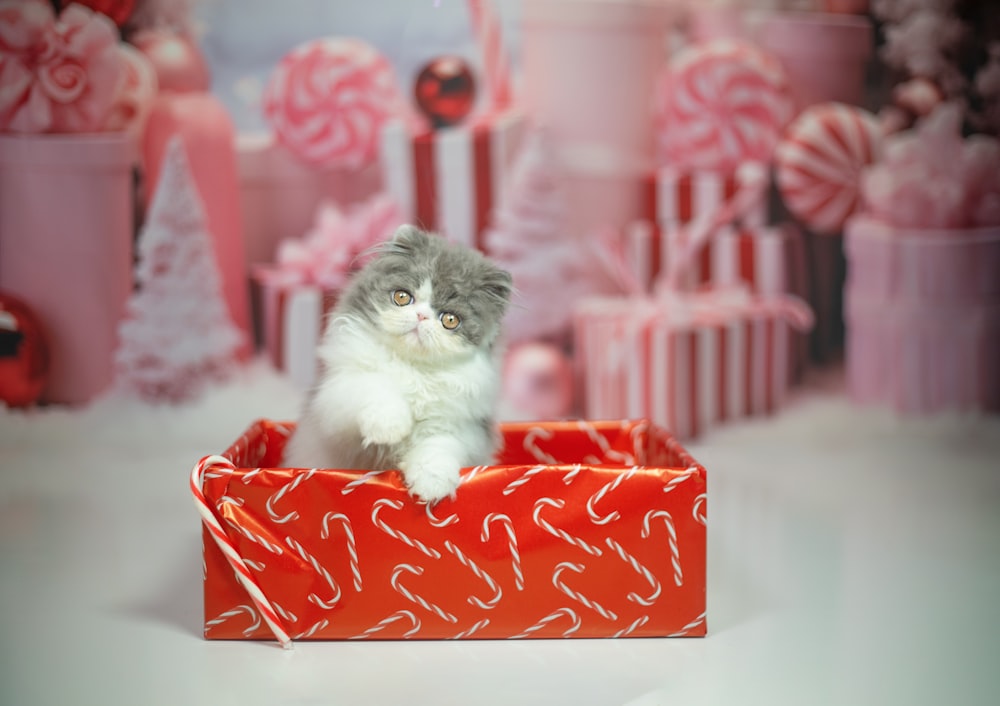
[[445, 90], [118, 10], [24, 354]]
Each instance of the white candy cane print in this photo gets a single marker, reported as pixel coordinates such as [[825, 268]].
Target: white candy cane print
[[478, 573], [352, 548], [331, 602], [525, 477], [232, 613], [358, 482], [638, 436], [531, 446], [561, 534], [209, 467], [654, 584], [413, 597], [472, 473], [599, 495], [571, 476], [437, 522], [313, 629], [631, 628], [675, 558], [576, 596], [674, 482], [474, 629], [551, 617], [282, 492], [690, 626], [401, 536], [515, 555], [386, 622], [699, 505], [255, 538], [608, 455]]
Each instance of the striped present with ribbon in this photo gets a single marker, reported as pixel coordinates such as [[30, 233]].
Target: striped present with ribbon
[[450, 180], [686, 361], [680, 195]]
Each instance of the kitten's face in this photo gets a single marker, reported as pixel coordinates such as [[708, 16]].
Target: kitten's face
[[432, 299]]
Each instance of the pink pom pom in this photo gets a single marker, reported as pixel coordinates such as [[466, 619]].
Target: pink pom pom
[[58, 75], [328, 99], [538, 381], [819, 161], [721, 104]]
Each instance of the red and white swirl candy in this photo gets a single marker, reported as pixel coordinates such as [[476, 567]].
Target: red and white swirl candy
[[819, 162], [327, 100], [720, 104]]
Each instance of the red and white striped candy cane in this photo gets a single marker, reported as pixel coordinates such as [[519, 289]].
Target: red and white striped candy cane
[[331, 602], [215, 466], [576, 596], [571, 476], [480, 574], [561, 534], [525, 477], [553, 616], [284, 490], [413, 597], [232, 613], [392, 532], [699, 504], [386, 622], [599, 495], [675, 558], [641, 570], [435, 521], [677, 480], [359, 481], [515, 555], [352, 548]]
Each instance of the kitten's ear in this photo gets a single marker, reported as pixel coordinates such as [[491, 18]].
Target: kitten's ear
[[499, 285], [408, 238]]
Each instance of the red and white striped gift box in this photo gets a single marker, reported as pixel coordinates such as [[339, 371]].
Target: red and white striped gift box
[[688, 363], [681, 196], [768, 259], [450, 180], [291, 324]]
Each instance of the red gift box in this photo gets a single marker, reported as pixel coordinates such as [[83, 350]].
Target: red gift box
[[291, 323], [687, 362], [450, 180], [580, 530]]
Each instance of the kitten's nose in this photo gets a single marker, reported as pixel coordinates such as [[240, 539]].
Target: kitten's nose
[[421, 316]]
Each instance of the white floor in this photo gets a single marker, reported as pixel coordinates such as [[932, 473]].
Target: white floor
[[854, 559]]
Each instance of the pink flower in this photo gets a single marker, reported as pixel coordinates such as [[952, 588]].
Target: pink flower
[[57, 75]]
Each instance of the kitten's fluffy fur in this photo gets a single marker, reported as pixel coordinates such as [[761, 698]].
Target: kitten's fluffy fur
[[398, 389]]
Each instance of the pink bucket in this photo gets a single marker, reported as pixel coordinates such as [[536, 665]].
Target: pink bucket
[[66, 212], [922, 310]]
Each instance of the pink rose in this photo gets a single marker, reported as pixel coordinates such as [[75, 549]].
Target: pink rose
[[58, 75]]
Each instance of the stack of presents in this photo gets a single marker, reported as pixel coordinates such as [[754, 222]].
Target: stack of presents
[[698, 201]]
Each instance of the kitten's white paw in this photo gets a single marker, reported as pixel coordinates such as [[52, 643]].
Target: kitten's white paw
[[386, 424], [430, 480]]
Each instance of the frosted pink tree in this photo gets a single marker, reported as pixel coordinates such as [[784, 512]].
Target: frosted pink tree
[[551, 266], [177, 333]]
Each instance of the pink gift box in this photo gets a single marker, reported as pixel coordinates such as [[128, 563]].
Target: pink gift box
[[450, 180], [922, 311], [66, 230], [292, 317], [687, 363]]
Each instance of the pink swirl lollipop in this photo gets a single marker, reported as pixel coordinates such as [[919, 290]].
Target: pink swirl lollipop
[[328, 98], [819, 162], [720, 104]]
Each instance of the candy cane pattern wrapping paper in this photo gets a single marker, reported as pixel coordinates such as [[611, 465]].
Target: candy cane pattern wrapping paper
[[567, 553]]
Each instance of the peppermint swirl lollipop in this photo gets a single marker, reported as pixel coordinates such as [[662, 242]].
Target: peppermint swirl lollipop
[[819, 162], [720, 104], [328, 98]]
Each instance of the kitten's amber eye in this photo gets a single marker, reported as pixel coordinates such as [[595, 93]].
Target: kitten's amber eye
[[450, 321], [401, 297]]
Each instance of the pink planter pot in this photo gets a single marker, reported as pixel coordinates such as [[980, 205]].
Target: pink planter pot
[[923, 318], [824, 54], [66, 248], [589, 68]]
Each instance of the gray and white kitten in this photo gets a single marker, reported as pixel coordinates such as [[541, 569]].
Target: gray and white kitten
[[409, 367]]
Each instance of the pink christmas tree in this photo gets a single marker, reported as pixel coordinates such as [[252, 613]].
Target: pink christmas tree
[[177, 334], [552, 267]]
